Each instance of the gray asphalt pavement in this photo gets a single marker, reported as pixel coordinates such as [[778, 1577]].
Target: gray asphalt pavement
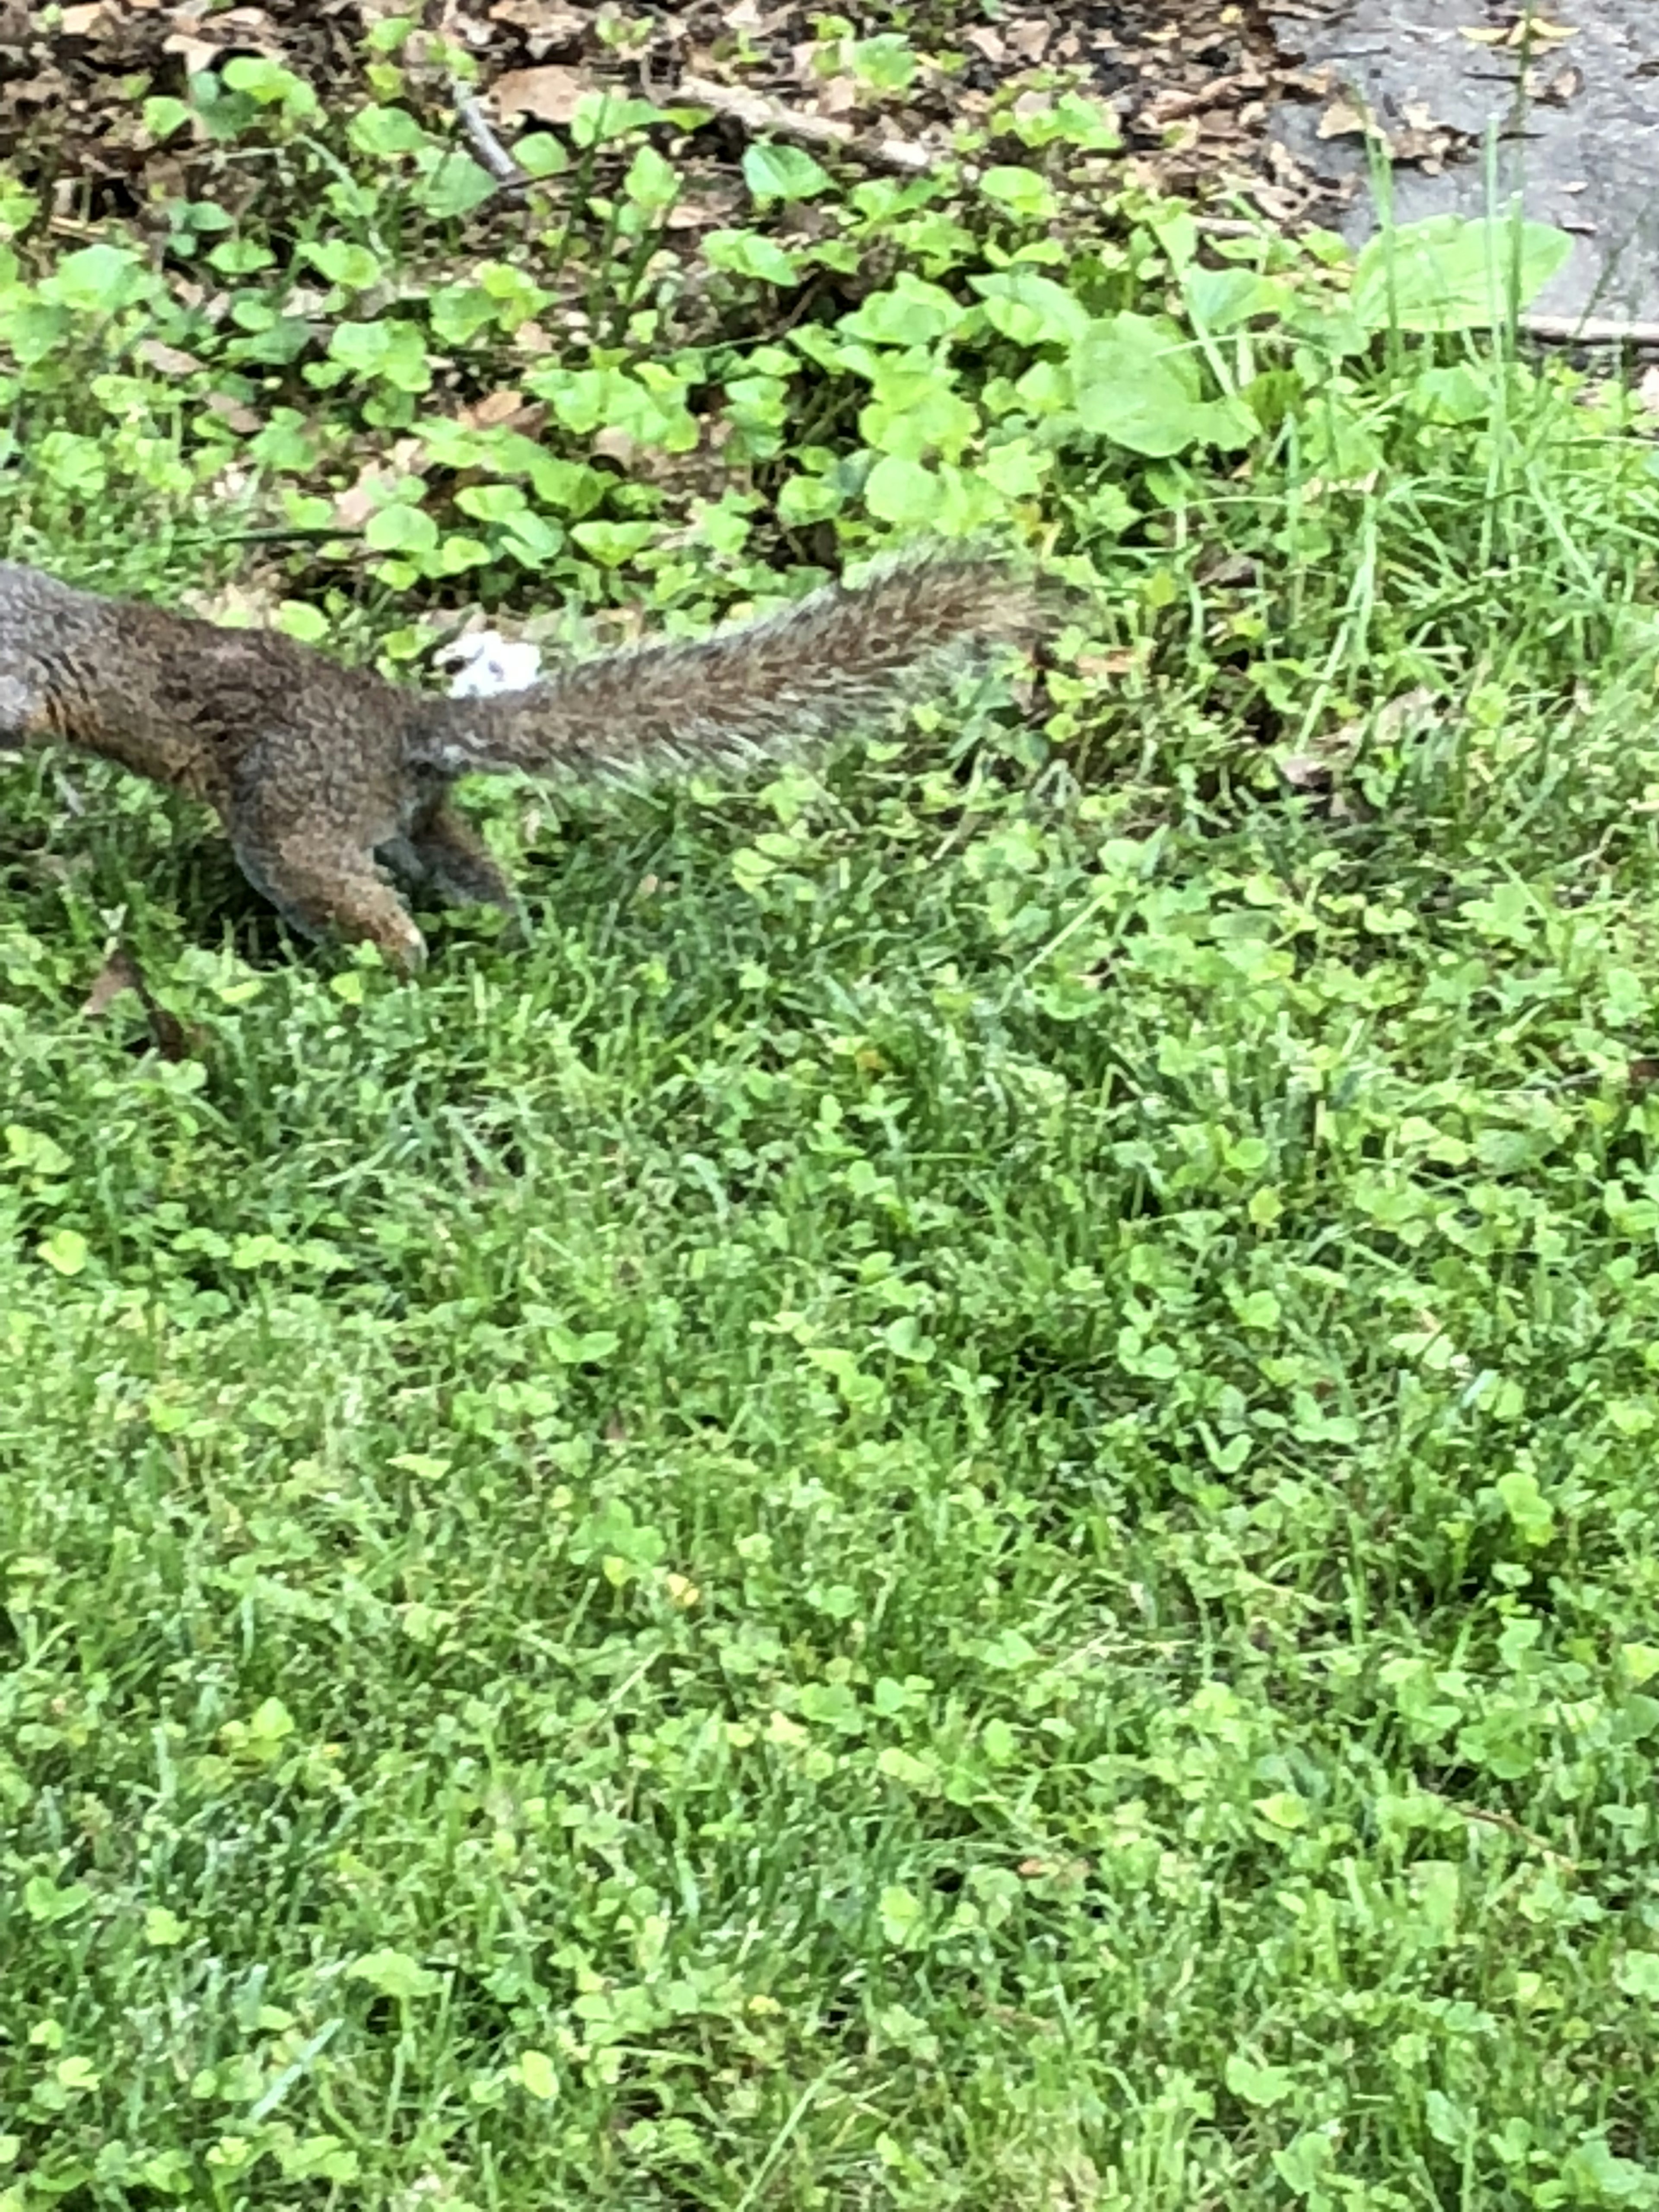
[[1572, 122]]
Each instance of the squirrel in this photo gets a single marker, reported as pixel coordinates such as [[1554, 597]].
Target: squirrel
[[333, 783]]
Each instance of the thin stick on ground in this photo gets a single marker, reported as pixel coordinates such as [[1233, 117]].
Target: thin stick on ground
[[1591, 330], [487, 147], [756, 112]]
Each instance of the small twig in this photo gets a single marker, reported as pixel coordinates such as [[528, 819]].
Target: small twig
[[1230, 226], [1552, 330], [1167, 107], [757, 112], [1590, 331], [485, 144], [1510, 1824]]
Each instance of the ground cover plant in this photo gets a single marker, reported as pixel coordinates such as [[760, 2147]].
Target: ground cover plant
[[948, 1505]]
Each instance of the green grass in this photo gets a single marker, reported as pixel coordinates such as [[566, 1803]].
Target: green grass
[[951, 1506]]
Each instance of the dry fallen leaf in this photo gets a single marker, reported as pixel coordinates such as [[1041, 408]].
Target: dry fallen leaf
[[1304, 773], [542, 19], [1029, 38], [1530, 28], [1117, 663], [171, 361], [244, 420], [1342, 120], [198, 54], [1382, 728], [236, 606], [119, 972], [613, 444], [1527, 30], [690, 213], [837, 96], [1563, 88], [1424, 143], [551, 92], [1392, 716], [1229, 571], [353, 506], [496, 407]]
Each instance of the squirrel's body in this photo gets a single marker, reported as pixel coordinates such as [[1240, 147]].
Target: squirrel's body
[[323, 774]]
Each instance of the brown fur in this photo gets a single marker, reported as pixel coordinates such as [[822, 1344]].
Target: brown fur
[[324, 775]]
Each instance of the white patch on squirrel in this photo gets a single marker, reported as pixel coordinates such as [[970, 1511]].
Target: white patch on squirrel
[[487, 664]]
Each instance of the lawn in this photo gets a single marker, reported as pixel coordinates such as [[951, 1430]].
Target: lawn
[[951, 1503]]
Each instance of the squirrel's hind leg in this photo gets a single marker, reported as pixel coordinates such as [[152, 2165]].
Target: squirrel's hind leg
[[324, 888], [444, 850], [23, 716]]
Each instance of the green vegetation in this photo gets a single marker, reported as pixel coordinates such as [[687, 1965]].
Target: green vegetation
[[948, 1508]]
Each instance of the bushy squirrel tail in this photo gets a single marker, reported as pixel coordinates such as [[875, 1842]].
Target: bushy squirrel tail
[[837, 660]]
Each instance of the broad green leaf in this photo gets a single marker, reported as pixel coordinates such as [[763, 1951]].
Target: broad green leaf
[[915, 413], [651, 183], [98, 279], [887, 61], [1023, 192], [613, 545], [1074, 117], [902, 491], [773, 171], [387, 131], [913, 312], [65, 1251], [901, 1913], [1284, 1809], [392, 352], [1022, 304], [1221, 299], [343, 263], [45, 1903], [35, 1149], [1016, 468], [541, 154], [163, 115], [1530, 1511], [241, 257], [601, 116], [400, 528], [1138, 385], [532, 539], [271, 85], [459, 312], [1257, 2085], [1451, 273], [490, 503], [394, 1974], [1638, 1975], [536, 2074], [748, 254], [454, 185]]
